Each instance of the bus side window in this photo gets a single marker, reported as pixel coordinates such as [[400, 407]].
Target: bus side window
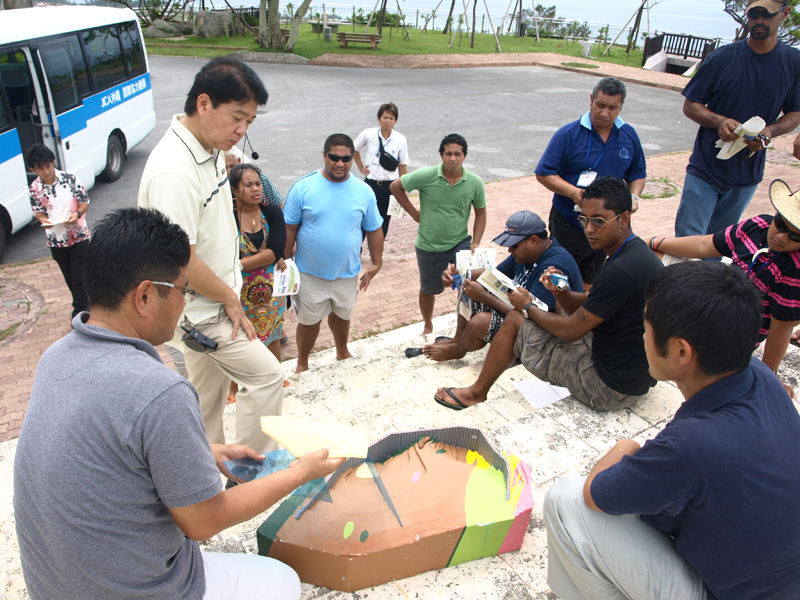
[[16, 80], [3, 115], [79, 63], [60, 76], [105, 57], [132, 47]]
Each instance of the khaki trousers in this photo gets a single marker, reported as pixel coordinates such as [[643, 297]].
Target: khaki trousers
[[249, 364]]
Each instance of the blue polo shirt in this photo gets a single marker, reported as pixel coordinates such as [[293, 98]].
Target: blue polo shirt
[[723, 479], [331, 216], [576, 147]]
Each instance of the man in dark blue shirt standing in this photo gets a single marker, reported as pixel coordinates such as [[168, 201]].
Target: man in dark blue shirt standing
[[756, 77], [708, 508]]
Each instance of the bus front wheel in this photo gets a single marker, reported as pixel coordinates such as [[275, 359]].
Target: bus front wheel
[[115, 156]]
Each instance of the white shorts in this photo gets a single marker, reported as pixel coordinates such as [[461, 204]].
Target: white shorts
[[317, 298], [248, 577]]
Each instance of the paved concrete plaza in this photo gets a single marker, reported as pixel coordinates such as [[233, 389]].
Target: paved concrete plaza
[[382, 391]]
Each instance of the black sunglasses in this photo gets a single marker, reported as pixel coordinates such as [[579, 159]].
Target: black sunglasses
[[782, 227], [759, 11], [515, 246], [336, 158]]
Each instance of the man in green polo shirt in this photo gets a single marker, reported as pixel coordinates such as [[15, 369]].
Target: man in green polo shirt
[[446, 194]]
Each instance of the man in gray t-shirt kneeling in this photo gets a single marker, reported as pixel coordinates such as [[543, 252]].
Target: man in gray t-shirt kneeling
[[114, 481]]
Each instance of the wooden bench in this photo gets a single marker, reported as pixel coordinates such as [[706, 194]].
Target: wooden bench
[[373, 39]]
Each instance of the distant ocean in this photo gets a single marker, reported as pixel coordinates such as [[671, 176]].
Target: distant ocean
[[697, 17]]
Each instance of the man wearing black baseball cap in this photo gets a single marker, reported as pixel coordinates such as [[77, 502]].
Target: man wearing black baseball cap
[[531, 251], [596, 349]]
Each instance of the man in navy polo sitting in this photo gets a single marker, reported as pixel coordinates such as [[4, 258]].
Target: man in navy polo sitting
[[708, 508]]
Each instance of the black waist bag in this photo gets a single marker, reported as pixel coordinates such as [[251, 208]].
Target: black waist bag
[[387, 161]]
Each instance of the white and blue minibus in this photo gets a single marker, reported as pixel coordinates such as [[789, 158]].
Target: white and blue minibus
[[76, 79]]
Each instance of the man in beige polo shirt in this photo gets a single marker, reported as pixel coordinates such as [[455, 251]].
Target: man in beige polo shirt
[[185, 178]]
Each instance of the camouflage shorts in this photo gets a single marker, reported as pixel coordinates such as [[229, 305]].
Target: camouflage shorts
[[568, 364]]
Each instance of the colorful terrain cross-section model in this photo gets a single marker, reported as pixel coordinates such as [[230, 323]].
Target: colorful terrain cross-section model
[[422, 500]]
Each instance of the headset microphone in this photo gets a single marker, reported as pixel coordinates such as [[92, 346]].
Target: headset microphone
[[253, 153]]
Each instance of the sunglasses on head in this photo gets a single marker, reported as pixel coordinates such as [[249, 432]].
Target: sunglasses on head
[[782, 227], [597, 222], [759, 11], [336, 158]]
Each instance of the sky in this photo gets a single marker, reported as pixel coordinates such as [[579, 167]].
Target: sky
[[697, 17]]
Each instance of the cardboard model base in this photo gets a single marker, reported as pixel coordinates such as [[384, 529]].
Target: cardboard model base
[[442, 497]]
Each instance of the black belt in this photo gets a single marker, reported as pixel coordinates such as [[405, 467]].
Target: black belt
[[380, 182]]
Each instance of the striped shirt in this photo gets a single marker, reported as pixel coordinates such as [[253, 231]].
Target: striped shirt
[[775, 274]]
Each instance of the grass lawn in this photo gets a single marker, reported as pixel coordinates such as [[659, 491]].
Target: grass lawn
[[311, 45]]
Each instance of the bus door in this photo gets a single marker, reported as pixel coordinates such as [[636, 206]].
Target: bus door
[[64, 82], [20, 128], [26, 103]]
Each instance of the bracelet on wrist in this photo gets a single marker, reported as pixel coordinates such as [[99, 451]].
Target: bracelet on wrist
[[653, 245]]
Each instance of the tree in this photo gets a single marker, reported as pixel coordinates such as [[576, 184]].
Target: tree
[[295, 28], [788, 33], [10, 4], [544, 16], [269, 24], [472, 36], [449, 22], [151, 10]]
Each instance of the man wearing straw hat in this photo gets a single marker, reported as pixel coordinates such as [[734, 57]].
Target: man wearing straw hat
[[767, 248]]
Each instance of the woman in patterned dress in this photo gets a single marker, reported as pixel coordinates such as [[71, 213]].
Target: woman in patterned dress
[[262, 237]]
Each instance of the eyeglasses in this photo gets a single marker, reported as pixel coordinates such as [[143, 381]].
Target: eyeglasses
[[597, 222], [782, 227], [515, 246], [759, 11], [181, 289], [336, 158]]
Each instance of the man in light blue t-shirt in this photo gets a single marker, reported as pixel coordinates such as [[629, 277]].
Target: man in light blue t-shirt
[[325, 213]]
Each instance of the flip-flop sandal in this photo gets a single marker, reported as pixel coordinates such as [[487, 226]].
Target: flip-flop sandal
[[230, 399], [412, 352], [449, 391], [442, 338], [795, 342]]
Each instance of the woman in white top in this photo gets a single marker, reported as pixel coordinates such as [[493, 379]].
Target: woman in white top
[[394, 143]]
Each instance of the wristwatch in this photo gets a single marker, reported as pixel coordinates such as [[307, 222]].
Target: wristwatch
[[526, 308]]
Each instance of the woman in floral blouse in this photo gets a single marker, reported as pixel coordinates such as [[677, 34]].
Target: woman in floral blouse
[[59, 203]]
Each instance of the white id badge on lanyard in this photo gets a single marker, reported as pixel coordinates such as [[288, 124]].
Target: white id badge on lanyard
[[586, 177]]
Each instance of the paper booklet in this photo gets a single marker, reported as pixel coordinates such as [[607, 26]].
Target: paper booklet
[[747, 130], [395, 210], [499, 284], [54, 222], [286, 283], [466, 261], [482, 258]]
